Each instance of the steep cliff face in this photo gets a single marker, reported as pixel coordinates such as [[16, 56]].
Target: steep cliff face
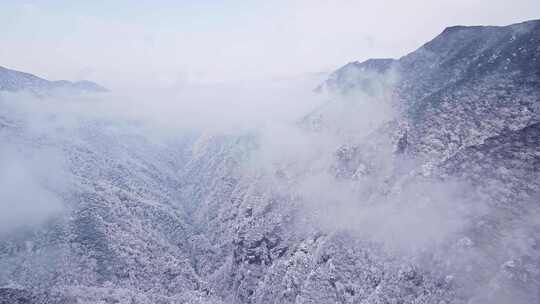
[[418, 182]]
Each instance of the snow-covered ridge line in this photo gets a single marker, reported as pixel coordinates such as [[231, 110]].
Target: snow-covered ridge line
[[13, 81]]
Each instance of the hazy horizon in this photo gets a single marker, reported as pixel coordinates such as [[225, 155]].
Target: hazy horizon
[[164, 44]]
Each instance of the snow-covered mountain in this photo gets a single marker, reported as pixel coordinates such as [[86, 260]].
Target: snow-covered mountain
[[417, 182], [11, 80]]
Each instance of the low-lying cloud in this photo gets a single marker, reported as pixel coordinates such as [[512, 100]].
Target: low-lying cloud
[[27, 188], [383, 199]]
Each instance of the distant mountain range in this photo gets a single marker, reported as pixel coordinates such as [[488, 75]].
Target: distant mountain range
[[13, 81]]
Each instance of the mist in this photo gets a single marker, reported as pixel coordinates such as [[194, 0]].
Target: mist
[[299, 138], [298, 134], [160, 45], [30, 184], [39, 130], [195, 174]]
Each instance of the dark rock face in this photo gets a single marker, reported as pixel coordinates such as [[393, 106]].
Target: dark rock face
[[182, 222], [13, 81]]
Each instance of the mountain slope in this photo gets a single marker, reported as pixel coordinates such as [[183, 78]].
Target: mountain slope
[[467, 84]]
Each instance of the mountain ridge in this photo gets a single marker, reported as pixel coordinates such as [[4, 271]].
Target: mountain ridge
[[13, 81]]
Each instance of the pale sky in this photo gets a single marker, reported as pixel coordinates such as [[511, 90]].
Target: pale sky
[[164, 43]]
